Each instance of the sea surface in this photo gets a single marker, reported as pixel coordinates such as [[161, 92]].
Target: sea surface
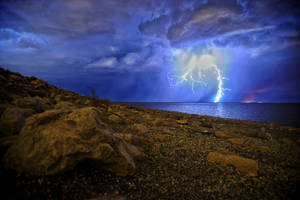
[[280, 113]]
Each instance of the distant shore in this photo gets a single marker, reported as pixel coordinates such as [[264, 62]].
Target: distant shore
[[286, 114]]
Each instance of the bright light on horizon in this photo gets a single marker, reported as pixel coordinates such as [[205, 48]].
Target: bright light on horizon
[[199, 69], [220, 85]]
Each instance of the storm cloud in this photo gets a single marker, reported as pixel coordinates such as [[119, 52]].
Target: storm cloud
[[127, 49]]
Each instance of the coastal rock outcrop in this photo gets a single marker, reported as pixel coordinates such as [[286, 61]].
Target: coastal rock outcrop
[[57, 140]]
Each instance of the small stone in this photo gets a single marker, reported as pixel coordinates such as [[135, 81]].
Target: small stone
[[186, 147], [221, 134], [237, 141], [182, 122], [114, 118], [263, 148], [140, 128]]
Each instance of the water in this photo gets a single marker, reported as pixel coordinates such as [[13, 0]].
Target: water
[[280, 113]]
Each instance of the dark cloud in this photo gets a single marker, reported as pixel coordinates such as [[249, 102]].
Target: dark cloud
[[156, 27], [7, 34], [100, 38], [29, 43]]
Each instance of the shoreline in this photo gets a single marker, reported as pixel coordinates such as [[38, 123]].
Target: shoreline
[[176, 106]]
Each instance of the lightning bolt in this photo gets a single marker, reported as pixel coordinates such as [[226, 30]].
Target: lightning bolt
[[220, 85], [196, 69]]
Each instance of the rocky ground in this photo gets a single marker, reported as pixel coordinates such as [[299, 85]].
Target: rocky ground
[[55, 144]]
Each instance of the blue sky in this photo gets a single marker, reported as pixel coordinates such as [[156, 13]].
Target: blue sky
[[149, 50]]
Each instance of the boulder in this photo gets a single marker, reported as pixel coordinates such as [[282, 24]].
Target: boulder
[[57, 140], [234, 131], [245, 165], [13, 119], [139, 141]]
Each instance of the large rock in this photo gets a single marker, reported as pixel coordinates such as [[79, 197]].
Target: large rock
[[245, 165], [13, 119], [135, 140], [57, 140], [234, 131]]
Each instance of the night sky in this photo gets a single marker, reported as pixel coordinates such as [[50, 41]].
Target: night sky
[[156, 50]]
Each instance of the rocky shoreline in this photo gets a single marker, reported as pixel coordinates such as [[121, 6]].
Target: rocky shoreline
[[56, 144]]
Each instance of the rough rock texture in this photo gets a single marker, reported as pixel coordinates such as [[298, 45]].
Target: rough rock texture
[[64, 105], [246, 165], [263, 148], [13, 119], [139, 128], [30, 103], [232, 131], [237, 141], [57, 140], [115, 118], [5, 143]]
